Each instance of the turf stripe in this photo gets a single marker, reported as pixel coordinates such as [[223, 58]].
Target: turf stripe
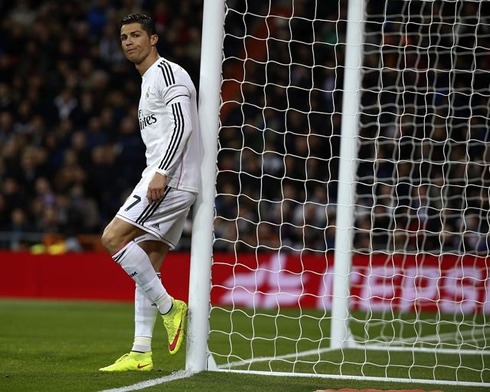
[[150, 383]]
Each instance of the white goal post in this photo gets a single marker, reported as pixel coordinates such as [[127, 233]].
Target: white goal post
[[203, 214], [346, 183]]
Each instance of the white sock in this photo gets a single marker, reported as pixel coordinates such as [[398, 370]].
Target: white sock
[[145, 315], [142, 344], [137, 265]]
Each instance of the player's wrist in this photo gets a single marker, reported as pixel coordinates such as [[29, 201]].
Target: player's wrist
[[162, 172]]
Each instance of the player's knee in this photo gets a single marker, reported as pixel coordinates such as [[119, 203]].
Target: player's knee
[[110, 241]]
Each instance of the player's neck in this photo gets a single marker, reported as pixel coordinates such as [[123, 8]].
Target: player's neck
[[147, 62]]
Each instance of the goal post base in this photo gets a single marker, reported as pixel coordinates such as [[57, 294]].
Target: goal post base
[[211, 363]]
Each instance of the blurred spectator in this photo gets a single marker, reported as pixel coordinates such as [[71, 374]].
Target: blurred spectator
[[19, 226], [66, 103], [4, 214]]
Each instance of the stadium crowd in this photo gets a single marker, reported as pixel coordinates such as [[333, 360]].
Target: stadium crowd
[[422, 167], [70, 149]]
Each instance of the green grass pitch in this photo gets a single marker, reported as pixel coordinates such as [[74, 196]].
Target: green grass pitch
[[59, 345]]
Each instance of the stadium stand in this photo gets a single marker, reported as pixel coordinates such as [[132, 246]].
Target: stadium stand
[[68, 127]]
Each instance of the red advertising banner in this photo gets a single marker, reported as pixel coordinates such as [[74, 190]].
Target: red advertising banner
[[91, 276], [378, 282], [267, 280]]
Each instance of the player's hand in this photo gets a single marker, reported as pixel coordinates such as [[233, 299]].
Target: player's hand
[[156, 187]]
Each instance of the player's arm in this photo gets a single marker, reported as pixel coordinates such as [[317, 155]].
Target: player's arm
[[177, 100]]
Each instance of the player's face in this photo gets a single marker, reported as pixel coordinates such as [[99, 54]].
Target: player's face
[[135, 42]]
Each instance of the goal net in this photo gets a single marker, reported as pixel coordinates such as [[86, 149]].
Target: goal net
[[414, 289]]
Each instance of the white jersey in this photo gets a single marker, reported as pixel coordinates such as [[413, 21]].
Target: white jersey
[[169, 125]]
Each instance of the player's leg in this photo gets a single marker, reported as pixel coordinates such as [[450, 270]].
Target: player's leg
[[171, 219], [118, 239], [140, 267], [165, 220], [145, 312]]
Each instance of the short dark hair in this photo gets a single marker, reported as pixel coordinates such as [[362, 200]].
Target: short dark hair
[[145, 21]]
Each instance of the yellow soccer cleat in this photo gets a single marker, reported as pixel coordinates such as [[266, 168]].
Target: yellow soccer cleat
[[174, 322], [140, 362]]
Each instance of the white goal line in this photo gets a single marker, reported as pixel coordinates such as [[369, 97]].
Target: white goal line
[[151, 383], [359, 378]]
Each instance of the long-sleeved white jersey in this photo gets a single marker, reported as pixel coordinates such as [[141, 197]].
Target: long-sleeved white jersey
[[169, 125]]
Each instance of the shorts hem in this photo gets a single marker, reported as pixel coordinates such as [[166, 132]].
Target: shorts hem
[[148, 230]]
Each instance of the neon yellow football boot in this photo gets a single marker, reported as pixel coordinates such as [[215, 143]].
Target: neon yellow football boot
[[174, 322], [140, 362]]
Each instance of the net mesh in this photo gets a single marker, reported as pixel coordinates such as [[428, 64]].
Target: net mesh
[[419, 275]]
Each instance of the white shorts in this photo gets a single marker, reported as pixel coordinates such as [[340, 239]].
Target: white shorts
[[164, 219]]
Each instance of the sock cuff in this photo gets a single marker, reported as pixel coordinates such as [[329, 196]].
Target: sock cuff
[[142, 340], [117, 257], [142, 344]]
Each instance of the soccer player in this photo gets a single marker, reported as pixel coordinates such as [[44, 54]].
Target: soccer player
[[151, 220]]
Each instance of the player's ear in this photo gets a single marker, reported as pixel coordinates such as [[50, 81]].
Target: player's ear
[[154, 39]]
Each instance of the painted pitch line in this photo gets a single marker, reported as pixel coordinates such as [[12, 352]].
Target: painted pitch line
[[150, 383], [439, 338], [360, 378], [266, 359]]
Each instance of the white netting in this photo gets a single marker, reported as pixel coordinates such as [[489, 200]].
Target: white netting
[[419, 277]]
